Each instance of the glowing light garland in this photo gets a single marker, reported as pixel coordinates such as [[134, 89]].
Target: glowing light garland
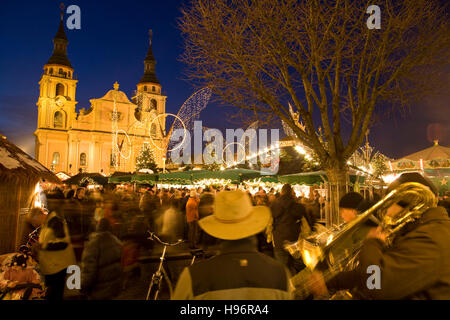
[[208, 182], [190, 111]]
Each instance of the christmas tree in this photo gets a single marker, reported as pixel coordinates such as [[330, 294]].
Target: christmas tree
[[145, 159]]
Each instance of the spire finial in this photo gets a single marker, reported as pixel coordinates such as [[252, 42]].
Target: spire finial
[[116, 86], [62, 6], [150, 35]]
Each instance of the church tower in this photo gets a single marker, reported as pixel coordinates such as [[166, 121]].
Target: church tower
[[148, 92], [151, 102], [56, 103]]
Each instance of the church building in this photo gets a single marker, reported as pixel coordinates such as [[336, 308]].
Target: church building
[[110, 134]]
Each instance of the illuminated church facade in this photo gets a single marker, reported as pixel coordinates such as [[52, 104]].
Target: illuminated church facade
[[110, 134]]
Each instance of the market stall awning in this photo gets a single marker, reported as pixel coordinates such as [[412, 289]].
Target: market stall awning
[[307, 178], [179, 177], [235, 176], [120, 179], [144, 178], [314, 178], [83, 179]]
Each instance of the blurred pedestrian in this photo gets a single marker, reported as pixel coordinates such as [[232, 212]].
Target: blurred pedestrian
[[287, 223], [101, 273], [55, 254], [192, 217]]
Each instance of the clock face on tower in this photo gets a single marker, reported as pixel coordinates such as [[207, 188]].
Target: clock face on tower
[[60, 101]]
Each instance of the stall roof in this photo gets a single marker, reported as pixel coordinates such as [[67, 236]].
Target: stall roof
[[16, 164], [90, 178], [313, 178]]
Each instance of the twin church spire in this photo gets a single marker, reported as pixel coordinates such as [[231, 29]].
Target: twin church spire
[[59, 55], [60, 43]]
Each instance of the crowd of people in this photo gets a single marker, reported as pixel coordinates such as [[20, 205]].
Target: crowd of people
[[105, 231]]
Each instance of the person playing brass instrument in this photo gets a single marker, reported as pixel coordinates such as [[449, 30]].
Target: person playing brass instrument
[[410, 249]]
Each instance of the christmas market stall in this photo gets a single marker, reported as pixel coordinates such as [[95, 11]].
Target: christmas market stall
[[88, 180], [21, 182]]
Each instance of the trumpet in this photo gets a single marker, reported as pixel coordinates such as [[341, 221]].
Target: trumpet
[[340, 252]]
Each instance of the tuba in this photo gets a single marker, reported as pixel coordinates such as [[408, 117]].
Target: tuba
[[340, 252]]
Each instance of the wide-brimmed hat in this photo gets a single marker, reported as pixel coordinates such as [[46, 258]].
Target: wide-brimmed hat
[[234, 217]]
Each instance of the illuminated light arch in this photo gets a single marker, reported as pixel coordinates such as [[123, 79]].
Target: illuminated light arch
[[166, 138]]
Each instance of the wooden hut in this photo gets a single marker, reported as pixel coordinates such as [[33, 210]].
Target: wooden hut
[[19, 176]]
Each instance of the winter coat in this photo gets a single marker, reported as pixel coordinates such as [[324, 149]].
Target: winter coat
[[56, 251], [287, 215], [415, 266], [239, 272], [101, 276]]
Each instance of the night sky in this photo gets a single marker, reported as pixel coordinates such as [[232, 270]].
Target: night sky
[[112, 45]]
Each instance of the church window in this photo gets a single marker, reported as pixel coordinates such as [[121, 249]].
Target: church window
[[112, 160], [153, 130], [83, 161], [58, 119], [51, 70], [145, 88], [153, 104], [60, 71], [69, 74], [153, 88], [59, 89], [55, 158]]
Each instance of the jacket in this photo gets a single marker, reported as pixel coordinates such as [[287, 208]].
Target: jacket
[[192, 209], [287, 215], [56, 251], [101, 274], [415, 266], [239, 272]]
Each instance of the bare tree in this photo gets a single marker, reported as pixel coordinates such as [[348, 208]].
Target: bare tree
[[322, 58]]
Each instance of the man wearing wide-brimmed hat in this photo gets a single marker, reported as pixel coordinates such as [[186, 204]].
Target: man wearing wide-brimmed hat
[[239, 271]]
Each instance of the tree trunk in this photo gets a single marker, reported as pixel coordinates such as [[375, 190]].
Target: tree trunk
[[337, 184]]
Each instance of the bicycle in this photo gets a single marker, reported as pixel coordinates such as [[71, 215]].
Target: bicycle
[[161, 272], [157, 277]]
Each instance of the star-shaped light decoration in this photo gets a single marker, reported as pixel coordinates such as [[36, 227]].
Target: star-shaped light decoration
[[443, 182]]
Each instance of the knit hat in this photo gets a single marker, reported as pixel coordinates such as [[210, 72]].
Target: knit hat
[[351, 200], [412, 177]]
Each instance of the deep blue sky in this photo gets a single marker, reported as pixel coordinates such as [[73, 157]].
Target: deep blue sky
[[112, 45]]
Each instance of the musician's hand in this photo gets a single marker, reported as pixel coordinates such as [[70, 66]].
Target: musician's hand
[[377, 233], [317, 285]]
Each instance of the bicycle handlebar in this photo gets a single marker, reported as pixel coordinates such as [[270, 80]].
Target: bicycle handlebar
[[154, 237]]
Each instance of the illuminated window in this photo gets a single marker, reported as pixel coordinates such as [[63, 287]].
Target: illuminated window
[[58, 119], [59, 90], [153, 104], [55, 158], [83, 161], [153, 130], [112, 160]]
